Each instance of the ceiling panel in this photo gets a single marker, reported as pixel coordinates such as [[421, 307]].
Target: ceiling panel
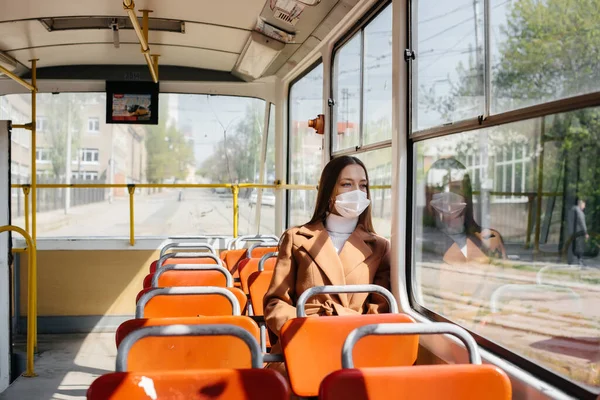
[[103, 54], [238, 13], [27, 34]]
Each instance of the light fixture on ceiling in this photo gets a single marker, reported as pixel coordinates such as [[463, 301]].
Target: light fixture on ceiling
[[114, 26], [258, 54], [7, 62]]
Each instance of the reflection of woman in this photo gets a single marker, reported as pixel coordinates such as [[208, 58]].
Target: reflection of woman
[[456, 249], [449, 197]]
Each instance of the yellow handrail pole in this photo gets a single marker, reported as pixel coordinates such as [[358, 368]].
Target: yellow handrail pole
[[33, 147], [31, 296], [235, 189], [129, 6], [22, 126], [131, 190], [17, 79], [26, 191]]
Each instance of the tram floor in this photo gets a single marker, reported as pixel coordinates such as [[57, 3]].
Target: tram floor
[[66, 365]]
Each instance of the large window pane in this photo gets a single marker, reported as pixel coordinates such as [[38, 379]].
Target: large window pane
[[506, 223], [543, 51], [346, 130], [448, 72], [379, 168], [305, 146], [377, 92], [199, 139]]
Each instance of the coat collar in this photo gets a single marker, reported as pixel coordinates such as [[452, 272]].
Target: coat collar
[[320, 247]]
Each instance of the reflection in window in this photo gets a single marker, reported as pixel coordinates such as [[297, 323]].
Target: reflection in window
[[306, 146], [449, 69], [379, 168], [506, 237]]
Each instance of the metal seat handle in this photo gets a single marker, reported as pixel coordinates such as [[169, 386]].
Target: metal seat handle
[[193, 267], [263, 260], [188, 330], [187, 246], [408, 329], [258, 245], [333, 289], [165, 257]]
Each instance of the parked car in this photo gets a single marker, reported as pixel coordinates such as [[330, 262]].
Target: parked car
[[268, 198]]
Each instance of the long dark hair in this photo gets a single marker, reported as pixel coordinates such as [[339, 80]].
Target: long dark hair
[[329, 178]]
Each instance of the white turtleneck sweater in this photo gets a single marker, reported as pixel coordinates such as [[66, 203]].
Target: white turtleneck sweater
[[339, 229]]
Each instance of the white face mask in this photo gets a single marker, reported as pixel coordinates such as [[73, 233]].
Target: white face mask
[[450, 207], [351, 204]]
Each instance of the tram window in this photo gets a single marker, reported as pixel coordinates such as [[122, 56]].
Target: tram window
[[347, 67], [200, 139], [506, 238], [377, 84], [448, 73], [379, 166], [305, 146], [541, 51]]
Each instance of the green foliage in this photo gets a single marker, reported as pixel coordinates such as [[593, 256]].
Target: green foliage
[[170, 154], [236, 157]]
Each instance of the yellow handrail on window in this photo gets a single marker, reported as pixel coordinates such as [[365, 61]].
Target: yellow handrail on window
[[31, 296]]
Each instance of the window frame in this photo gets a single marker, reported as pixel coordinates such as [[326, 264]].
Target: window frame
[[480, 123], [288, 173], [95, 121], [357, 28]]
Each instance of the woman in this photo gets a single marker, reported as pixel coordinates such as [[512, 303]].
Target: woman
[[454, 244], [338, 246]]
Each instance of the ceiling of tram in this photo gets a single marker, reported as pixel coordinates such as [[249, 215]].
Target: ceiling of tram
[[216, 33]]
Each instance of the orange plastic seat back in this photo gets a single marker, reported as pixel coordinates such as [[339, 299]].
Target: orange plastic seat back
[[231, 259], [186, 260], [191, 278], [312, 347], [191, 305], [427, 382], [131, 325], [258, 252], [251, 267], [243, 384], [258, 284], [161, 353]]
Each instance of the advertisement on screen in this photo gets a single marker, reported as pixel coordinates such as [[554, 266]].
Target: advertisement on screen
[[132, 103]]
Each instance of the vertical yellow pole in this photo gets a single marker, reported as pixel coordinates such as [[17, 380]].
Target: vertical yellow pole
[[145, 24], [33, 148], [131, 190], [236, 190], [26, 191]]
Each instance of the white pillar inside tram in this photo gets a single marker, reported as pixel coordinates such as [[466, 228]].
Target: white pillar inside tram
[[5, 353]]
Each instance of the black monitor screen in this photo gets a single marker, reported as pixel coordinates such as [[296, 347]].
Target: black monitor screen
[[132, 103]]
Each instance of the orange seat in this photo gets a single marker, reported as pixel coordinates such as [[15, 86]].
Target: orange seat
[[460, 382], [231, 258], [188, 352], [426, 382], [208, 259], [192, 275], [312, 347], [258, 252], [258, 284], [239, 320], [190, 301], [251, 267], [224, 384]]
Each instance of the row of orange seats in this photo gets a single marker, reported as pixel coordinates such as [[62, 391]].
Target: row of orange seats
[[198, 354]]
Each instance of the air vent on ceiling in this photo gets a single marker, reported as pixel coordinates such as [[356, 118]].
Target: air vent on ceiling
[[285, 17], [287, 11], [71, 23]]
